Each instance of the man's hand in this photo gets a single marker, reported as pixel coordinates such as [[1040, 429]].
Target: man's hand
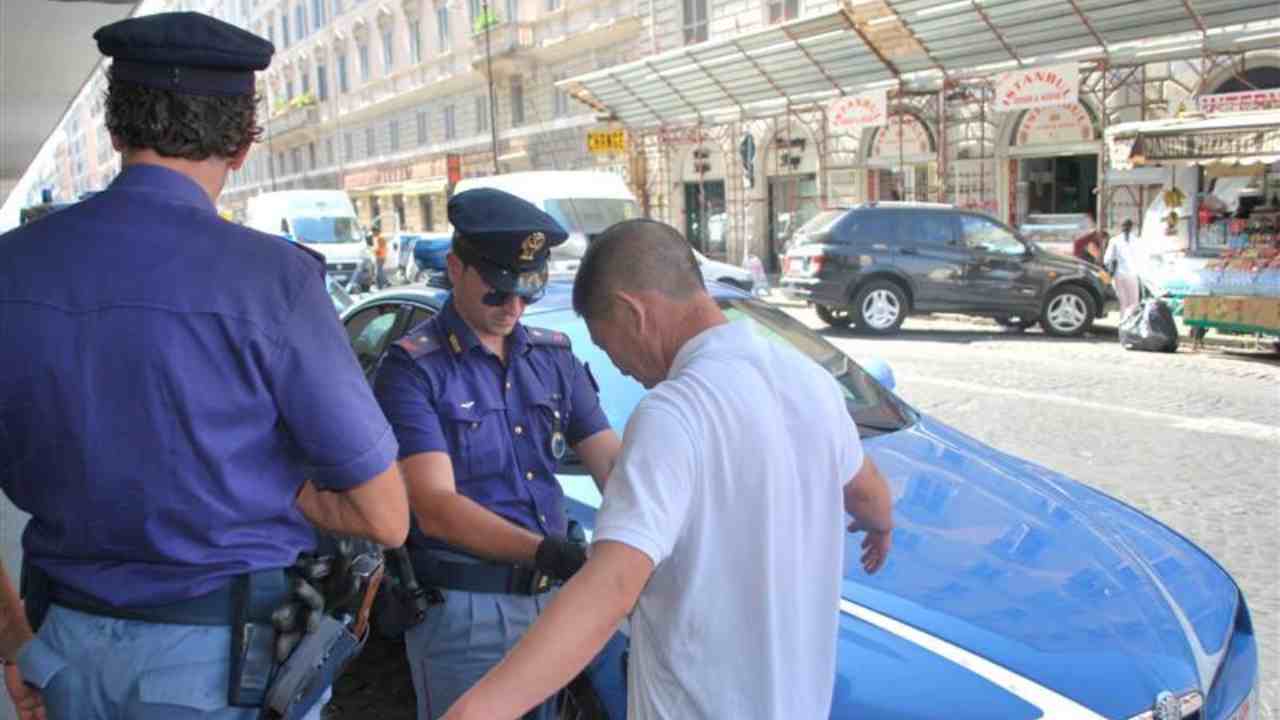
[[559, 558], [26, 699], [875, 547]]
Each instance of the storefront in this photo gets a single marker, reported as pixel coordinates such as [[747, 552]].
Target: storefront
[[1210, 239], [792, 194], [702, 193], [902, 160], [402, 197], [1052, 173]]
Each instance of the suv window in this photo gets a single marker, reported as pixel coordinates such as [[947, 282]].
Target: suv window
[[984, 235], [871, 228], [934, 229]]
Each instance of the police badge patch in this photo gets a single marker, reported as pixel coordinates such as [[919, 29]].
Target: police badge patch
[[531, 245]]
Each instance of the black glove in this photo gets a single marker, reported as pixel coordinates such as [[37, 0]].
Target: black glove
[[559, 558]]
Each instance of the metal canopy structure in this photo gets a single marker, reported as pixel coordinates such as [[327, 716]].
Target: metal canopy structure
[[918, 44]]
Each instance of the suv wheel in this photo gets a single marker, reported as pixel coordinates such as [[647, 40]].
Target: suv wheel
[[834, 316], [1068, 312], [880, 307]]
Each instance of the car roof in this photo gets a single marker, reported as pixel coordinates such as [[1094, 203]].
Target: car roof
[[559, 296]]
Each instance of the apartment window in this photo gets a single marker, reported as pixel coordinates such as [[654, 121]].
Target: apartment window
[[296, 156], [395, 135], [442, 28], [337, 8], [322, 82], [476, 7], [311, 155], [300, 20], [553, 5], [513, 10], [306, 80], [425, 203], [344, 82], [782, 10], [288, 89], [422, 127], [363, 49], [328, 152], [317, 13], [271, 31], [415, 41], [517, 101], [348, 146], [388, 54], [695, 21], [559, 100], [280, 168], [368, 142], [450, 129], [482, 113], [284, 28]]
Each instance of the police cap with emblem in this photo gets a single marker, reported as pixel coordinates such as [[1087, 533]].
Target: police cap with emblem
[[184, 52], [506, 239]]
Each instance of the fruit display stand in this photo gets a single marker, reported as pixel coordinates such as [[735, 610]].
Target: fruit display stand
[[1240, 291]]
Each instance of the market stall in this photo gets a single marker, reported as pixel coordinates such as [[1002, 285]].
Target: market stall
[[1210, 240]]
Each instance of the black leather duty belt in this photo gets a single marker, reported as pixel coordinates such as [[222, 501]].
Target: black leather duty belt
[[479, 577]]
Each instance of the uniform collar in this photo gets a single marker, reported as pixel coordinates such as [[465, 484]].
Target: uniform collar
[[455, 328], [141, 177]]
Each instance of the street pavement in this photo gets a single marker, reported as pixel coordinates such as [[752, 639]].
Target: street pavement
[[1191, 438]]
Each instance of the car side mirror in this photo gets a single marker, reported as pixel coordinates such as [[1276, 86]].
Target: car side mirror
[[880, 370]]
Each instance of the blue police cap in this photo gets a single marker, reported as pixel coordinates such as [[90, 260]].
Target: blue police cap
[[185, 52], [505, 238]]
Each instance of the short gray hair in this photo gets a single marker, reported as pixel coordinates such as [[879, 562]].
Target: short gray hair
[[635, 255]]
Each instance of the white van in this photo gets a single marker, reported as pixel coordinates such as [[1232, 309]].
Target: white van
[[322, 220], [585, 203]]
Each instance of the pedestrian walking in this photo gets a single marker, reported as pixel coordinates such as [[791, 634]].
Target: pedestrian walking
[[484, 409], [1121, 262], [379, 256], [176, 403], [722, 528]]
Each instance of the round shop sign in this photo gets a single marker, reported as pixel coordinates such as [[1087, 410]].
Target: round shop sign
[[1060, 125], [903, 135], [858, 111]]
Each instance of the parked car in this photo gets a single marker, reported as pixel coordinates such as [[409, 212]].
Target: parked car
[[872, 265], [1012, 592], [714, 270], [423, 254]]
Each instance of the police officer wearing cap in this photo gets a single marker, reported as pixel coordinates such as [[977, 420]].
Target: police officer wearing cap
[[178, 399], [484, 409]]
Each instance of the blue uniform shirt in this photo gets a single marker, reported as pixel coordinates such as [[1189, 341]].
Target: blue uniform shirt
[[169, 380], [443, 390]]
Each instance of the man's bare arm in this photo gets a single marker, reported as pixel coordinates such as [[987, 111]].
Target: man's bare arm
[[571, 631], [598, 454], [14, 629], [377, 510], [443, 513], [867, 499]]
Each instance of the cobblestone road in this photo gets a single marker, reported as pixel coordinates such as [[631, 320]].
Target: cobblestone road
[[1192, 439]]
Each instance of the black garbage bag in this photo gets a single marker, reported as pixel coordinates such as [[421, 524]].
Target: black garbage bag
[[1149, 327]]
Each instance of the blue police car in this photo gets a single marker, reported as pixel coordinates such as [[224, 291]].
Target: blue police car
[[1013, 592]]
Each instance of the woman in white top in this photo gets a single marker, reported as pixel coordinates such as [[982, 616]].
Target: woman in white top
[[1122, 251]]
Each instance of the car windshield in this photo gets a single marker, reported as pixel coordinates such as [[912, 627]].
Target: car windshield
[[818, 225], [591, 215], [325, 230], [875, 410]]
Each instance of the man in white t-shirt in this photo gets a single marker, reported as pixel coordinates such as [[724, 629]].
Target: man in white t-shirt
[[723, 520]]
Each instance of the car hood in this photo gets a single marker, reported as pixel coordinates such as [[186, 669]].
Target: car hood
[[1062, 263], [1074, 593], [1038, 574]]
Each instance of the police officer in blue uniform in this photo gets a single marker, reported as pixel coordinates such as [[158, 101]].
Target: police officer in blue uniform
[[178, 399], [484, 408]]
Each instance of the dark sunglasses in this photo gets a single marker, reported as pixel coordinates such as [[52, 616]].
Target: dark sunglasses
[[498, 298]]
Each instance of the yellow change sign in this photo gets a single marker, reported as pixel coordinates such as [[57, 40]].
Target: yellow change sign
[[607, 141]]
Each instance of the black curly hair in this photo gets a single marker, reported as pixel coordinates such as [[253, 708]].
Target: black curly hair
[[178, 125]]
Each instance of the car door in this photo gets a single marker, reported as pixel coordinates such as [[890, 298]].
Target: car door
[[372, 329], [938, 260], [998, 276]]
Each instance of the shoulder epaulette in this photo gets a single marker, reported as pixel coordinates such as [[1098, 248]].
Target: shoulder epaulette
[[419, 344], [552, 338]]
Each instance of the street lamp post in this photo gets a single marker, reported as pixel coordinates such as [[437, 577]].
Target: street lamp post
[[488, 20]]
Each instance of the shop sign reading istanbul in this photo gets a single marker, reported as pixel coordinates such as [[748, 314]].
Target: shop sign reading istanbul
[[864, 110], [1037, 88]]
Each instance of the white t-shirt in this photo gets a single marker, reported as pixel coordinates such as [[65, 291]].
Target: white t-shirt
[[731, 480], [1124, 250]]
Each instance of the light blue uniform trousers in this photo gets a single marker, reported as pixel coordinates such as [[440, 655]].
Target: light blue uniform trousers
[[90, 667]]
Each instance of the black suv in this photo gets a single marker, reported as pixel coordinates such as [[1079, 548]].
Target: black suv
[[872, 265]]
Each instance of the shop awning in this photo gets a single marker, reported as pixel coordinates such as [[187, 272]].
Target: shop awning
[[1238, 139], [870, 43]]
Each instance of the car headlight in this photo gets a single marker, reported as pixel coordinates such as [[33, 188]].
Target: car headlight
[[1187, 705]]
